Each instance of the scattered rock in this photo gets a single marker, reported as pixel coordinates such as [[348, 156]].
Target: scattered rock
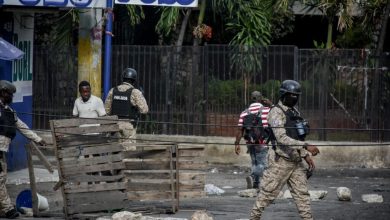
[[372, 198], [125, 215], [344, 194], [248, 193], [317, 194], [104, 218], [161, 218], [287, 194], [201, 215]]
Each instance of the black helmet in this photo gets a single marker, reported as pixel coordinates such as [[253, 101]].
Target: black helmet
[[290, 86], [256, 96], [129, 73], [7, 86]]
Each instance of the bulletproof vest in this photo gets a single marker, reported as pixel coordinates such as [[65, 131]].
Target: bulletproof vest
[[122, 106], [7, 123], [292, 118]]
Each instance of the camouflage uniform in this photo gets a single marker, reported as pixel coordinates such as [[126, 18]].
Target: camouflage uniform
[[127, 130], [5, 202], [284, 166]]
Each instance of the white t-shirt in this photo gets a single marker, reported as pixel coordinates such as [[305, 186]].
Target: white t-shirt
[[93, 108]]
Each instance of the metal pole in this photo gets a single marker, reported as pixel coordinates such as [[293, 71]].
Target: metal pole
[[107, 51]]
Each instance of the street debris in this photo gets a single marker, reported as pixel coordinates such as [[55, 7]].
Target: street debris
[[201, 215], [247, 193], [372, 198], [344, 194], [211, 189], [316, 195]]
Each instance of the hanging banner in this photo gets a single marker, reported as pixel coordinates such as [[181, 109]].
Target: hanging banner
[[57, 3], [177, 3]]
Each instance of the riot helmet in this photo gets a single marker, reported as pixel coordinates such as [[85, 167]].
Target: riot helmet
[[289, 92], [290, 86], [129, 74], [256, 96], [7, 86]]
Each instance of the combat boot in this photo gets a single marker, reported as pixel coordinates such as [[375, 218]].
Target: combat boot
[[12, 214]]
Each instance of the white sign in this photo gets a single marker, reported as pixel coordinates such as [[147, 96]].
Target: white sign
[[178, 3], [22, 70], [57, 3]]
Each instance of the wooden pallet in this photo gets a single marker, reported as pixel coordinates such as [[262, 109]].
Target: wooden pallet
[[89, 165], [165, 172]]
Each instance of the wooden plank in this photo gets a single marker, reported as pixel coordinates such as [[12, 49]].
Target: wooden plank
[[165, 186], [75, 122], [147, 165], [164, 165], [101, 206], [74, 140], [147, 174], [68, 171], [41, 157], [192, 194], [61, 180], [79, 131], [147, 195], [81, 178], [75, 152], [94, 187], [192, 152], [147, 154], [90, 161], [141, 186], [192, 165], [95, 197], [33, 184]]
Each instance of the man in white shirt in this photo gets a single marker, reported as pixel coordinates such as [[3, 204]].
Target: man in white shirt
[[88, 105]]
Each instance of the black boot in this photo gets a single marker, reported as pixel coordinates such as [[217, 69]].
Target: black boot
[[12, 214]]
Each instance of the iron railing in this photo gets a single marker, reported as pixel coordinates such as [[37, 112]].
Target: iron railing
[[202, 90]]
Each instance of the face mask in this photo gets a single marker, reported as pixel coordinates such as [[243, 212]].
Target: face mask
[[290, 100]]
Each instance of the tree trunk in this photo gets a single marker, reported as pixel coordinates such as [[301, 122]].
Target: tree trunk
[[330, 34], [183, 28]]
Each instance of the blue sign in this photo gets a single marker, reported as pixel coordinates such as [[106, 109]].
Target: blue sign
[[178, 3], [57, 3]]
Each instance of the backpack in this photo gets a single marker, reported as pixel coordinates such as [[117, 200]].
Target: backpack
[[253, 130]]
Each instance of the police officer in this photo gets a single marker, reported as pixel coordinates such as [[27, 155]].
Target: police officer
[[127, 102], [285, 160], [9, 123]]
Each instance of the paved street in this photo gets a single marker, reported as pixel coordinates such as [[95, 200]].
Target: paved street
[[230, 206]]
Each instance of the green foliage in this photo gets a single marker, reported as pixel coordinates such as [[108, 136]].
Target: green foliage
[[135, 13], [168, 20], [250, 22], [232, 91], [221, 91], [318, 45], [356, 37]]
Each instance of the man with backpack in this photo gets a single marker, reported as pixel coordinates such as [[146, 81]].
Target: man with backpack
[[252, 124]]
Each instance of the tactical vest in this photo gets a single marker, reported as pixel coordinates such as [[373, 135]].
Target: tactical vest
[[292, 119], [122, 106], [7, 123]]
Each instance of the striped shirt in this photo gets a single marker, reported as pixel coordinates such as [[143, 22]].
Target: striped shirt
[[254, 108]]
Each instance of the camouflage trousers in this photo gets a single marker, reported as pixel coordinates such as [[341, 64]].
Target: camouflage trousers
[[127, 135], [279, 173], [5, 201]]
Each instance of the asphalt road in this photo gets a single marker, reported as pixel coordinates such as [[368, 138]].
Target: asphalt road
[[230, 206]]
